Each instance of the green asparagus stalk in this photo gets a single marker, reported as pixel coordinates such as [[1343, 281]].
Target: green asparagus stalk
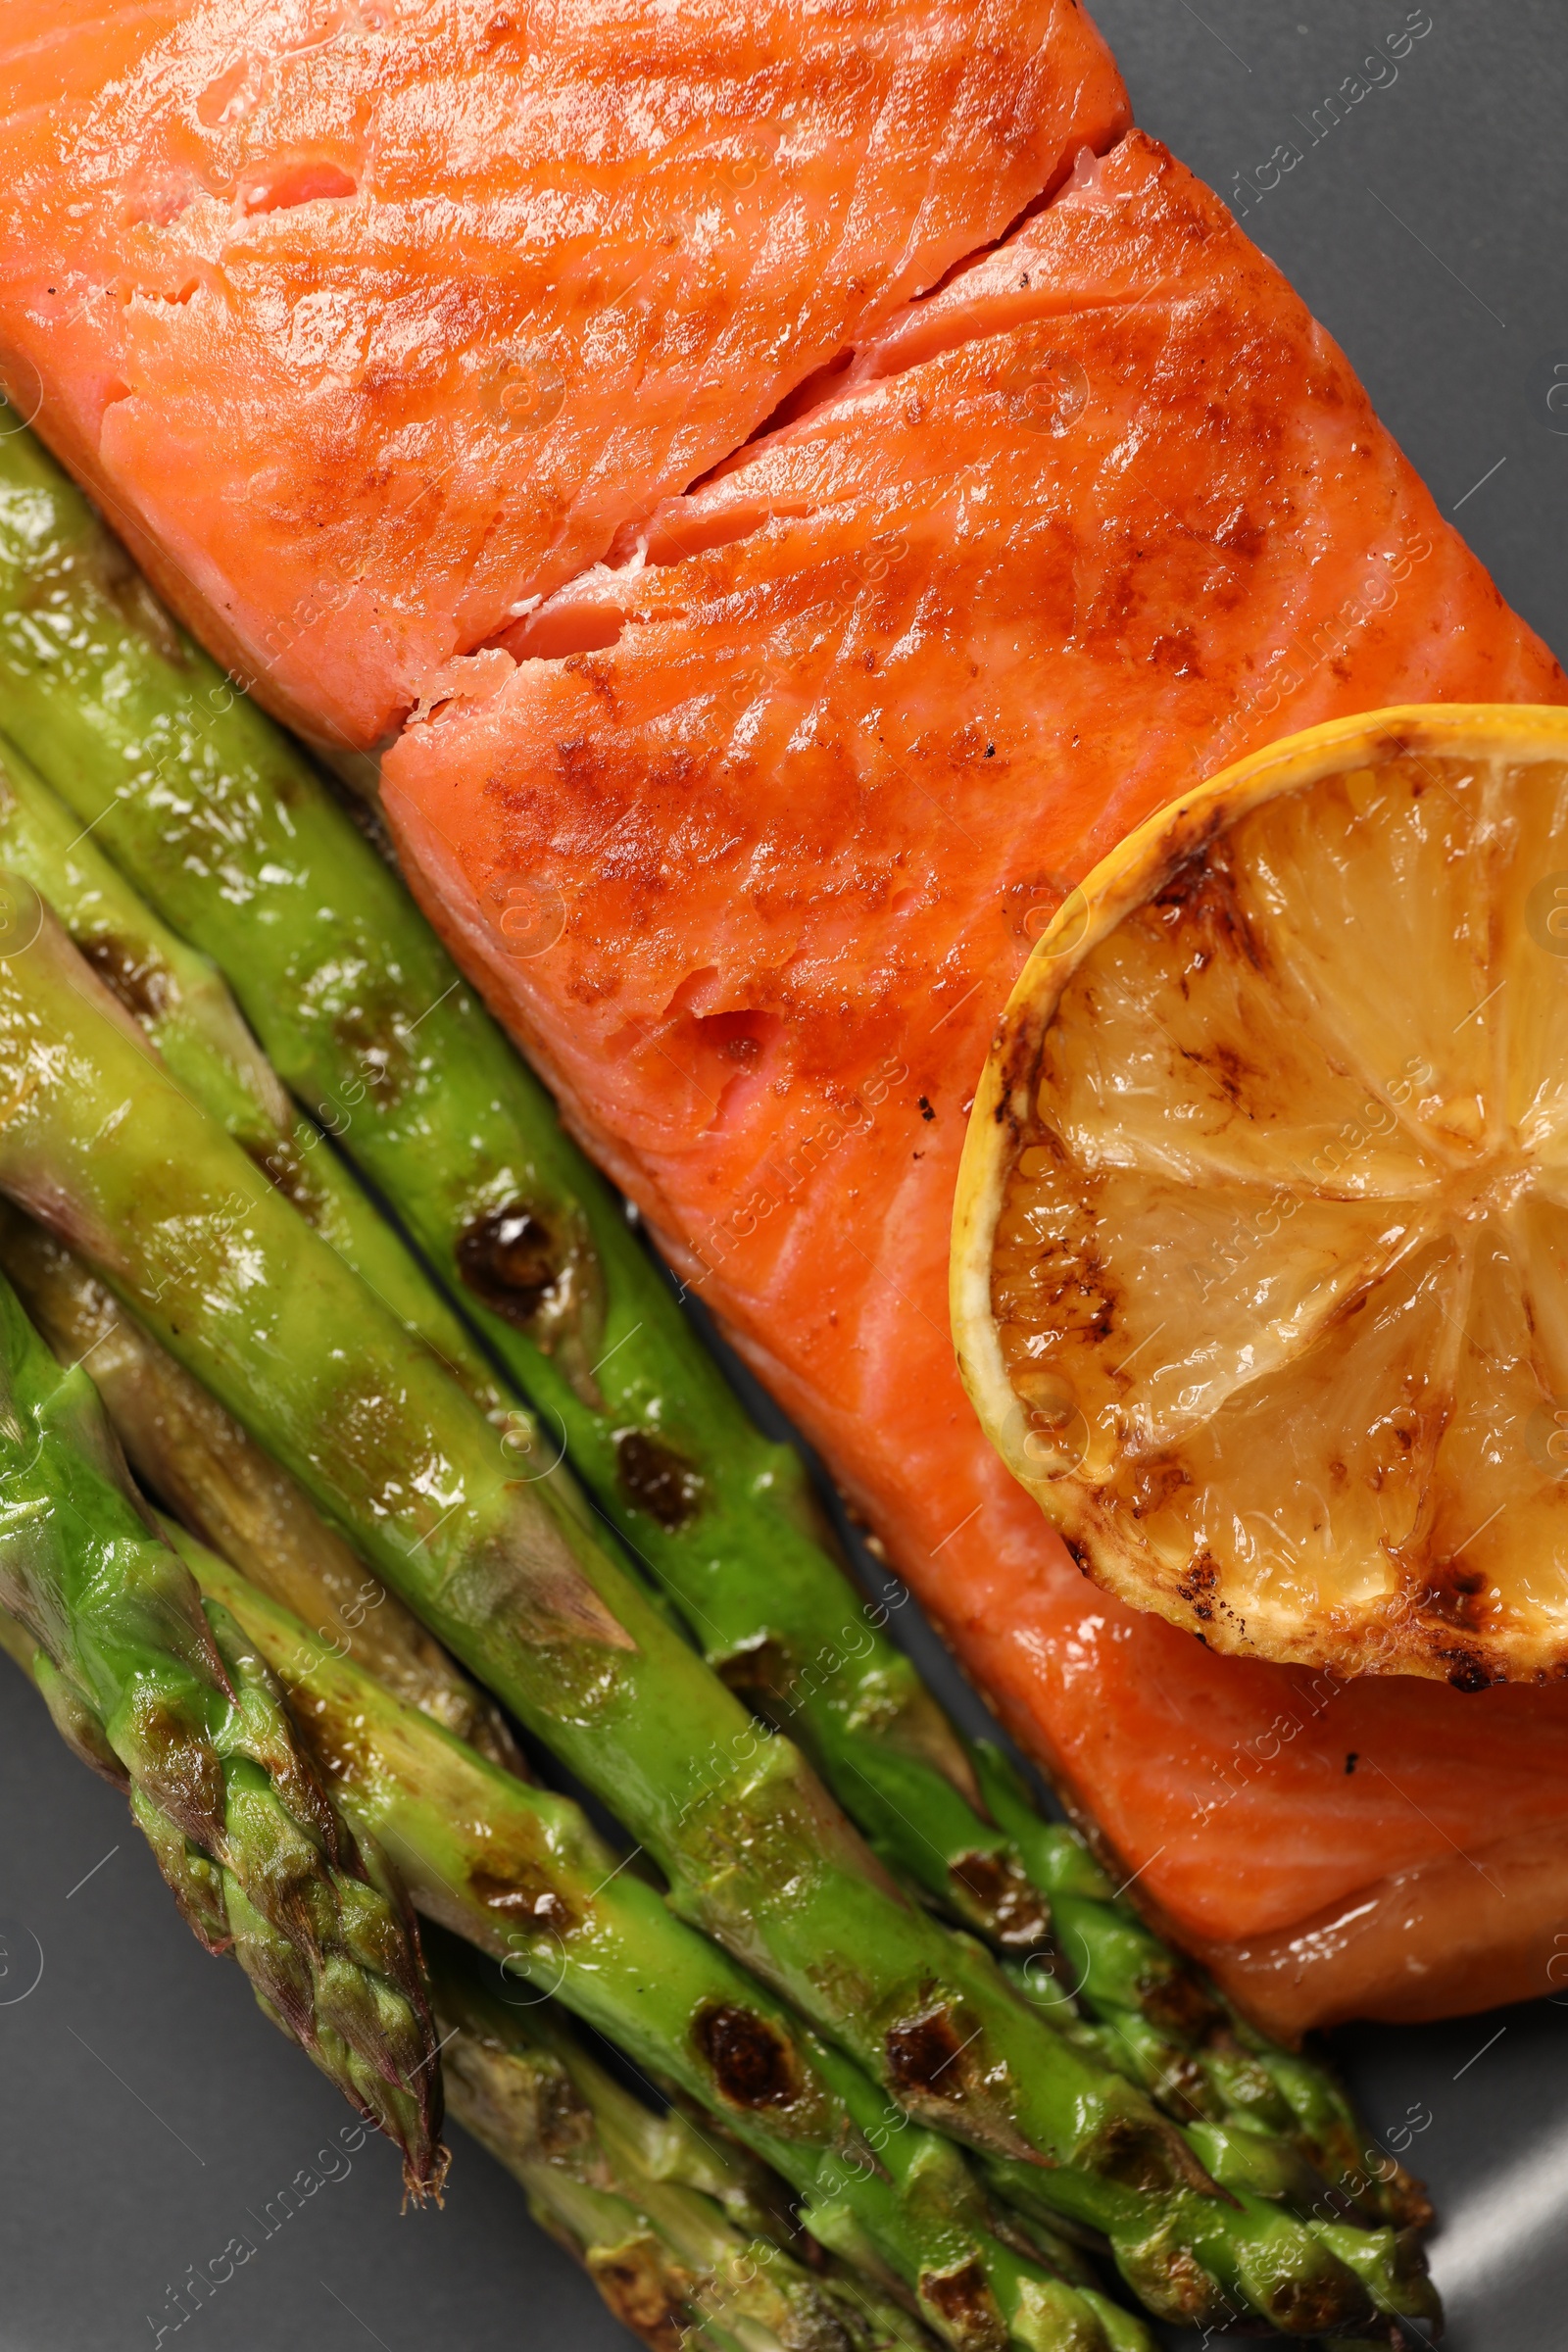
[[184, 1007], [667, 2257], [196, 1458], [192, 787], [662, 2258], [1160, 2021], [229, 830], [519, 1873], [94, 1138], [177, 995], [684, 2144], [167, 1422], [173, 1704], [655, 2270], [76, 614], [230, 834], [661, 2253]]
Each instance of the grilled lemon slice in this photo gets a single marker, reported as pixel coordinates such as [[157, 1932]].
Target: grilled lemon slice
[[1260, 1255]]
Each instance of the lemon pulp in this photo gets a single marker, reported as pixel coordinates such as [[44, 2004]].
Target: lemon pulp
[[1261, 1258]]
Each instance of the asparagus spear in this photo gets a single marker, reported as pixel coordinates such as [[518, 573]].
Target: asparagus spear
[[667, 2257], [177, 995], [188, 1452], [519, 1872], [173, 1703], [514, 2107], [682, 2143], [655, 2271], [230, 833], [157, 711], [184, 1007], [166, 1420], [1163, 2022], [168, 1423], [228, 830], [95, 1140], [854, 1699]]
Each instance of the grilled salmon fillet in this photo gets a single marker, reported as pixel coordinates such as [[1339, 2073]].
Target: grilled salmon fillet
[[806, 766], [368, 321]]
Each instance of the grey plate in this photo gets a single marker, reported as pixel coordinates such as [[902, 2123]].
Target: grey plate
[[150, 2115]]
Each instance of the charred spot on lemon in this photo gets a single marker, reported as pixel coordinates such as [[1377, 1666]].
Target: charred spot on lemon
[[1260, 1255]]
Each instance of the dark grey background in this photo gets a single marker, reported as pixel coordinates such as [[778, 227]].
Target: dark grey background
[[148, 2109]]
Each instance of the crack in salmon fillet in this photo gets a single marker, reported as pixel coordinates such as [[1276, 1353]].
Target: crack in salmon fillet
[[841, 729], [368, 322]]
